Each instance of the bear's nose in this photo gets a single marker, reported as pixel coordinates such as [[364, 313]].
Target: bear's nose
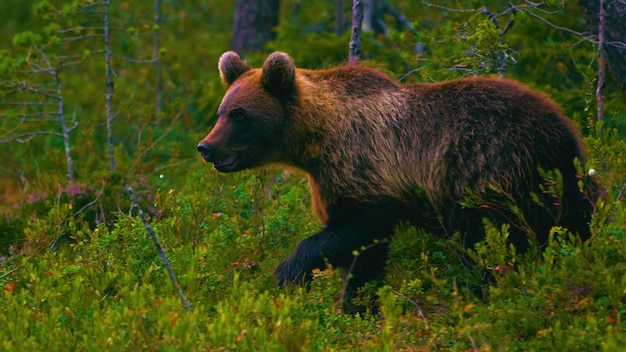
[[206, 151]]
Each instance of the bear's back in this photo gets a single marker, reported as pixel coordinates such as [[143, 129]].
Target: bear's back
[[351, 81], [488, 132]]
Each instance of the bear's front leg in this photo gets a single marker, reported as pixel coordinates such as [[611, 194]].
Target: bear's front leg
[[310, 254], [350, 228]]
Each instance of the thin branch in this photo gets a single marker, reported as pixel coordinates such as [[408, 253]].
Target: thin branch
[[65, 58], [75, 39], [15, 128], [137, 61], [420, 313], [404, 76], [601, 64], [51, 247], [34, 114], [184, 161], [586, 36], [95, 4], [537, 7], [155, 142], [22, 85], [447, 8], [620, 45], [10, 272], [79, 29], [25, 137], [621, 192], [565, 29], [89, 22], [157, 244], [51, 119], [89, 13], [28, 103], [70, 63]]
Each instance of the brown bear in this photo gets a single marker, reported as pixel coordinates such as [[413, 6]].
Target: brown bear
[[369, 144]]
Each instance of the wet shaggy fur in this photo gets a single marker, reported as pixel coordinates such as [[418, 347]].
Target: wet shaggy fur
[[368, 144]]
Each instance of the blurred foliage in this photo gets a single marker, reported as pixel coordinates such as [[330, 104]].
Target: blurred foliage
[[79, 272]]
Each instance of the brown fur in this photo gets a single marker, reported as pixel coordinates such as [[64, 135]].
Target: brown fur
[[363, 136], [368, 143]]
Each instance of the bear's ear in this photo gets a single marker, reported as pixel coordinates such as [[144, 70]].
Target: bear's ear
[[279, 73], [231, 67]]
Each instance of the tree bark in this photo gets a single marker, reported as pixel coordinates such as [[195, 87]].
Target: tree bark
[[355, 40], [253, 24], [601, 60], [614, 34]]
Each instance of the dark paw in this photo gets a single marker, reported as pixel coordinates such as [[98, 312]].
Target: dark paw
[[288, 273]]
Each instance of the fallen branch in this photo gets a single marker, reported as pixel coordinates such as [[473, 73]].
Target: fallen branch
[[10, 272], [157, 244]]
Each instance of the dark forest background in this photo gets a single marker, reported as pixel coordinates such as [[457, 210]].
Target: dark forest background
[[100, 96]]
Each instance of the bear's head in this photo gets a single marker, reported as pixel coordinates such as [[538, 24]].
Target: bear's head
[[252, 115]]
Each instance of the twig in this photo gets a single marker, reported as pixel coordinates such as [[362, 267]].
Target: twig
[[155, 142], [25, 137], [36, 251], [537, 7], [163, 167], [621, 192], [10, 272], [446, 8], [136, 61], [54, 243], [24, 86], [157, 244], [420, 313], [585, 35], [404, 76]]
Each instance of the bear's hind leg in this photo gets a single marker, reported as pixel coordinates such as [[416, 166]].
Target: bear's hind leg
[[368, 265]]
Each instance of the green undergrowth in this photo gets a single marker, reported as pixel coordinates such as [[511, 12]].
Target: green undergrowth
[[79, 271], [105, 287]]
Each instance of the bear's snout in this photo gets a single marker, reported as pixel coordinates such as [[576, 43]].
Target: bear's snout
[[207, 151]]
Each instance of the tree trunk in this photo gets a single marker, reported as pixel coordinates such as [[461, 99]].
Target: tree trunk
[[355, 41], [254, 23], [614, 34]]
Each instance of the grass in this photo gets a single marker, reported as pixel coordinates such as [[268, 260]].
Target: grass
[[78, 270], [107, 289]]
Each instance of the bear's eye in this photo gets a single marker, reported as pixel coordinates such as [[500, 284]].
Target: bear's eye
[[238, 115]]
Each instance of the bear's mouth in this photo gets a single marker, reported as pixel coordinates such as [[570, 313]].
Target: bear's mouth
[[224, 165]]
